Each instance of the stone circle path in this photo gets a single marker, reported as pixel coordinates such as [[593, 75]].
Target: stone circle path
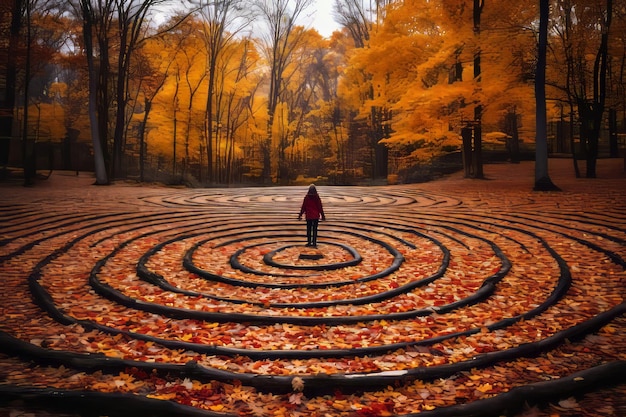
[[455, 297]]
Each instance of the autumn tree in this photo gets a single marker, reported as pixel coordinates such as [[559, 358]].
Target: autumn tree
[[131, 16], [223, 20], [489, 93], [190, 72], [399, 79], [279, 39], [409, 85], [44, 36], [370, 114], [117, 28], [302, 91], [321, 115], [34, 40], [179, 113], [96, 19], [435, 82], [73, 96], [237, 85], [151, 75]]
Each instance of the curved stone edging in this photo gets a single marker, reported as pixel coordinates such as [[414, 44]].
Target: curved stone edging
[[508, 403], [536, 394], [44, 300], [86, 403], [323, 383], [268, 258]]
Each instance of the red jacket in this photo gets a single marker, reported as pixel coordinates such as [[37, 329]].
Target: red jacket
[[312, 207]]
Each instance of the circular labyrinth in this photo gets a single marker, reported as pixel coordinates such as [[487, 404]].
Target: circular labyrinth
[[412, 302]]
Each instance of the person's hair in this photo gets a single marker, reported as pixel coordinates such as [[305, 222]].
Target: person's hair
[[312, 189]]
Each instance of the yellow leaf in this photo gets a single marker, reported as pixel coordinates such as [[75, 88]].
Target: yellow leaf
[[609, 329], [341, 405], [166, 396], [484, 388]]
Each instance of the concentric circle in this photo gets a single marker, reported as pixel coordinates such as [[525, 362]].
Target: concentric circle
[[402, 287], [293, 257]]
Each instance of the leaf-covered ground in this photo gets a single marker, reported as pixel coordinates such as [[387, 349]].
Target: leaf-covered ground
[[456, 297]]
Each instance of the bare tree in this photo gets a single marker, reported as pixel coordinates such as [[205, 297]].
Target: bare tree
[[353, 15], [99, 18], [583, 32]]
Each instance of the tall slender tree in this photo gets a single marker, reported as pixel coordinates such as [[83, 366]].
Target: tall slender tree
[[193, 81], [14, 9], [223, 21], [152, 82], [280, 39], [542, 178], [130, 17], [27, 151], [582, 64], [238, 85], [371, 117], [89, 17]]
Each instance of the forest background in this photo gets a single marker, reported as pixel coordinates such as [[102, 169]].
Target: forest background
[[204, 92]]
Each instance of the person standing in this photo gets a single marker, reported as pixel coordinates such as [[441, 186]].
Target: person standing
[[313, 211]]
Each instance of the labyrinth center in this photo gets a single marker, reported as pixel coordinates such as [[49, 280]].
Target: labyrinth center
[[447, 300]]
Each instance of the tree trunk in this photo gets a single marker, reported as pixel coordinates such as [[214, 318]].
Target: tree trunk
[[613, 142], [542, 179], [120, 123], [99, 165], [477, 155], [7, 106], [102, 98], [209, 127], [591, 113], [143, 146], [174, 146], [466, 134], [512, 131], [572, 143], [589, 134], [28, 147]]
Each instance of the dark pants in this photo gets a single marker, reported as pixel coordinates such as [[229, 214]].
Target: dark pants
[[311, 231]]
